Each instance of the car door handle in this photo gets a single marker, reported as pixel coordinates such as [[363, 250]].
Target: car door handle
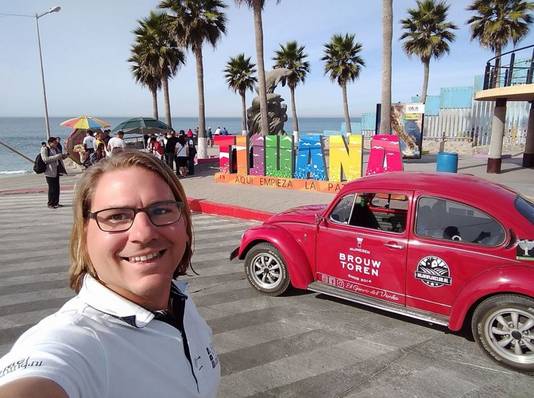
[[393, 245]]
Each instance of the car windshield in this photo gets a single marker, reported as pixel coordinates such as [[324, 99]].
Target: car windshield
[[525, 207]]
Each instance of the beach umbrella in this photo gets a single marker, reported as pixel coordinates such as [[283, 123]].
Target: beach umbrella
[[85, 122], [141, 125]]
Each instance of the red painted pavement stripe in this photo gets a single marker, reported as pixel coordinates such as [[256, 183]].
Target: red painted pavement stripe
[[221, 209]]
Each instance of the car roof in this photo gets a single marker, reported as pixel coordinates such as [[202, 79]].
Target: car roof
[[478, 191]]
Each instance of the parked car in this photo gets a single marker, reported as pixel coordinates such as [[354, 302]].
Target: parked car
[[453, 250]]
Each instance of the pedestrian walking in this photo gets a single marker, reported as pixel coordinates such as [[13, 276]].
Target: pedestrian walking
[[132, 330], [116, 144], [59, 146], [210, 138], [97, 155], [191, 154], [170, 149], [54, 166], [181, 156]]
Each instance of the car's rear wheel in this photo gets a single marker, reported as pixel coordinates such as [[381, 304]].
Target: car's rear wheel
[[266, 269], [503, 326]]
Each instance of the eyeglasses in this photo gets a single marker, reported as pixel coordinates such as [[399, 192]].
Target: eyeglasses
[[120, 219]]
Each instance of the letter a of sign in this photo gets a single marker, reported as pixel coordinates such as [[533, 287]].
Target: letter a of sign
[[385, 155], [225, 143], [310, 159]]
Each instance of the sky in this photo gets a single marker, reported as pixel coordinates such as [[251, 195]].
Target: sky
[[86, 46]]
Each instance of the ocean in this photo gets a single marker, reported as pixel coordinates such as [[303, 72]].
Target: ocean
[[25, 134]]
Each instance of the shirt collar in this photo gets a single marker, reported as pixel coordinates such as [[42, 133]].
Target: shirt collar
[[107, 301]]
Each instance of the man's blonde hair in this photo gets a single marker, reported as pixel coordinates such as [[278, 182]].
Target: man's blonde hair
[[85, 191]]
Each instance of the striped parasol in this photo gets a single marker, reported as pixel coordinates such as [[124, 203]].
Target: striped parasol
[[85, 122]]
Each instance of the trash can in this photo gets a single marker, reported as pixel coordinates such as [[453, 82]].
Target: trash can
[[447, 162]]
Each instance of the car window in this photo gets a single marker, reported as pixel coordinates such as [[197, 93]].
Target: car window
[[341, 212], [381, 211], [450, 220], [525, 207]]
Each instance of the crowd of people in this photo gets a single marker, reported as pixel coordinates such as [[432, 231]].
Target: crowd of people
[[178, 150], [96, 146]]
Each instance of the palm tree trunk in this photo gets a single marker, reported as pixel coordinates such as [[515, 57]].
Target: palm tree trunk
[[202, 142], [262, 91], [348, 128], [155, 103], [295, 121], [387, 34], [244, 121], [165, 84], [426, 65]]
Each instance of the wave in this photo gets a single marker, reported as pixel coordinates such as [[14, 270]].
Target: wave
[[10, 172]]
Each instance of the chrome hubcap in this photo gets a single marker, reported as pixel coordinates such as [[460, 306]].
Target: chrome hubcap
[[510, 332], [266, 271]]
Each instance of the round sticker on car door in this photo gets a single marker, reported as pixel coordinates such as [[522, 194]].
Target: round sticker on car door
[[433, 271]]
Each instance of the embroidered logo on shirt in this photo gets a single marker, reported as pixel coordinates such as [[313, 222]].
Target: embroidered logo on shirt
[[20, 364], [212, 356]]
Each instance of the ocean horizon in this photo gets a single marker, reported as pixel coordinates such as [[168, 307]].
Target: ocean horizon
[[25, 134]]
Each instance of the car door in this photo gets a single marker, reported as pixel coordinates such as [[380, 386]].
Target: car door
[[361, 245], [452, 243]]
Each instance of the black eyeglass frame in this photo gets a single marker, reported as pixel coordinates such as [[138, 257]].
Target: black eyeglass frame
[[179, 204]]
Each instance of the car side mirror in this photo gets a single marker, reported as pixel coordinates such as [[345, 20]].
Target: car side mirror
[[318, 219]]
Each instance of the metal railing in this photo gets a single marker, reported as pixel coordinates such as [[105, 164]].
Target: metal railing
[[517, 71]]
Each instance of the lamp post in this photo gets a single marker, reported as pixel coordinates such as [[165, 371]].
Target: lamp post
[[37, 16]]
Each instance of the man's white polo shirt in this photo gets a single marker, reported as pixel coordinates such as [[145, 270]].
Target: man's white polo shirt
[[102, 345]]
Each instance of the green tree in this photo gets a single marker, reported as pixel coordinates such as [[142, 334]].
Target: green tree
[[257, 8], [145, 77], [387, 37], [194, 22], [427, 34], [239, 74], [292, 57], [343, 64], [158, 53], [496, 23]]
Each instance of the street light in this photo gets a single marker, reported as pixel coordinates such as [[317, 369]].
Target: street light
[[37, 16]]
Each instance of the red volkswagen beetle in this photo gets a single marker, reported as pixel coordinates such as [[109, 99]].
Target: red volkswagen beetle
[[448, 249]]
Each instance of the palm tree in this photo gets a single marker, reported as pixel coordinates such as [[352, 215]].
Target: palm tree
[[387, 34], [239, 73], [291, 56], [158, 52], [194, 22], [497, 22], [145, 77], [257, 7], [427, 34], [343, 63]]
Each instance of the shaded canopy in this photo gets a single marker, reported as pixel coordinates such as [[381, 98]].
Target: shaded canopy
[[141, 125]]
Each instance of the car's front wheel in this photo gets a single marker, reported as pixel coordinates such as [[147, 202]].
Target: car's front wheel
[[503, 325], [266, 270]]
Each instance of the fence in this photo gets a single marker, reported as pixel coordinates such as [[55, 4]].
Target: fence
[[474, 124]]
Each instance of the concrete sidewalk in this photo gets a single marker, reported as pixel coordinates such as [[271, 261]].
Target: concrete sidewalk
[[254, 202]]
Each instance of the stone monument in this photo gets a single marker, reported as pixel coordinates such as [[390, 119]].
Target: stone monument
[[276, 109]]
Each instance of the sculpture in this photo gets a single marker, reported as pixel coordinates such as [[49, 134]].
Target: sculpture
[[276, 109]]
